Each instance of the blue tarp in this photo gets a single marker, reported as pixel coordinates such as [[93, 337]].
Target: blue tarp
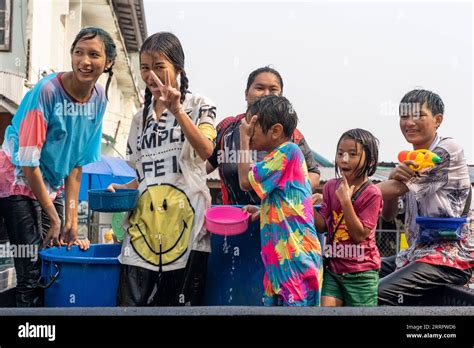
[[99, 175]]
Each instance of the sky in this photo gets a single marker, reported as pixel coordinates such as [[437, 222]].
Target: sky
[[344, 64]]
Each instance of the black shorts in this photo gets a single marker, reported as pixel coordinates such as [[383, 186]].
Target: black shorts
[[182, 287]]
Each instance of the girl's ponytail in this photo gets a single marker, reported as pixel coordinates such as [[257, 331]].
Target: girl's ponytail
[[183, 86], [109, 80], [146, 108]]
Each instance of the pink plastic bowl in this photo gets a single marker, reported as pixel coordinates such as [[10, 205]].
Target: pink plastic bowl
[[226, 221]]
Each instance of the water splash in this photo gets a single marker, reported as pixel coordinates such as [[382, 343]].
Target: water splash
[[225, 246], [230, 295]]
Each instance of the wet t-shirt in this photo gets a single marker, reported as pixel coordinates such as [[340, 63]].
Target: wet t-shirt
[[441, 192], [291, 251], [52, 131], [169, 220]]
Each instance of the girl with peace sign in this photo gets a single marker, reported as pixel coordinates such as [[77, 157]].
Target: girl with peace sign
[[164, 253]]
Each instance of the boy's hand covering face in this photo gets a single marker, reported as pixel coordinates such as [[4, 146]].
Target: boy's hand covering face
[[247, 127]]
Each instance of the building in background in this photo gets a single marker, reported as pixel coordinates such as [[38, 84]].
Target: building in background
[[35, 40]]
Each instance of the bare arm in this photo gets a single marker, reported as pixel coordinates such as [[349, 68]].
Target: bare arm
[[390, 209], [314, 180], [244, 167], [133, 184], [311, 164], [209, 167], [72, 184], [395, 187], [246, 131], [203, 146], [36, 183], [319, 222], [356, 229], [391, 190]]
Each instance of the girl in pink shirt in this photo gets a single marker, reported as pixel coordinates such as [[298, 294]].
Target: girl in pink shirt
[[349, 213]]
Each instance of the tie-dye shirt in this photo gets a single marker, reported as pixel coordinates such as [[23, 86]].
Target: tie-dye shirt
[[291, 251], [53, 131]]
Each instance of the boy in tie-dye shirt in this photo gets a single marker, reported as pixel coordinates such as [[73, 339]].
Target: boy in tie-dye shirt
[[291, 251]]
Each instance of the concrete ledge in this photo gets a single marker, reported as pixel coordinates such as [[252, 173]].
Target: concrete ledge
[[240, 311]]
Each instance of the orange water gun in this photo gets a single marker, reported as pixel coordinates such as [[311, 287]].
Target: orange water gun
[[424, 159]]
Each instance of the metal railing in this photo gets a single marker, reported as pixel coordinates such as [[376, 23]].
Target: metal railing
[[388, 241]]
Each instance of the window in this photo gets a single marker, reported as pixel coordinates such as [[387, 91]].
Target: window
[[5, 21]]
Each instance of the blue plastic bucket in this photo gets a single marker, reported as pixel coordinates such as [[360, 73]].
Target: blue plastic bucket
[[78, 278], [439, 229], [235, 269], [112, 202]]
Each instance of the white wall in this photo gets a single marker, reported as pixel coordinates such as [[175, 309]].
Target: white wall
[[48, 37], [73, 26], [15, 60]]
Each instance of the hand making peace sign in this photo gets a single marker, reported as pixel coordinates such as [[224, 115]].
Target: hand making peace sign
[[170, 96]]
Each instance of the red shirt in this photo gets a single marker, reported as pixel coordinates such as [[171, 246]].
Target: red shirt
[[347, 256]]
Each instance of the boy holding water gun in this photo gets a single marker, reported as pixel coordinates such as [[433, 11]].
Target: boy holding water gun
[[439, 190]]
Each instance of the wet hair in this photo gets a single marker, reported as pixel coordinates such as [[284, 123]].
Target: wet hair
[[369, 145], [167, 44], [422, 96], [273, 109], [266, 69], [89, 33]]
